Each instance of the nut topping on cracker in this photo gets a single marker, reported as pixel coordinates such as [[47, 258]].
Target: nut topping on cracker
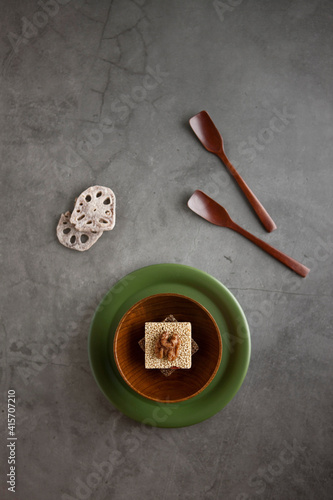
[[168, 346]]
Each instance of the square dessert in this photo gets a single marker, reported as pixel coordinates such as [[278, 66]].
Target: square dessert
[[168, 344]]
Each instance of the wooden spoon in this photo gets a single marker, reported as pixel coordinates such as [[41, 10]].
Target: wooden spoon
[[204, 128], [210, 210]]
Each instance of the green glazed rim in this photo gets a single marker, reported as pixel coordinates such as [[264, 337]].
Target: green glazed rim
[[197, 285]]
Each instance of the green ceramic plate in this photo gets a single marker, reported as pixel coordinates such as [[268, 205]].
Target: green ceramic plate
[[193, 283]]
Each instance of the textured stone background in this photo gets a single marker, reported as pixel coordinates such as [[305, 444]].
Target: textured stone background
[[79, 107]]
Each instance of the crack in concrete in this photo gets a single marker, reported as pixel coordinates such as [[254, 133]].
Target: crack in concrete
[[104, 26], [280, 292], [194, 245], [103, 93], [90, 18], [126, 30], [46, 363]]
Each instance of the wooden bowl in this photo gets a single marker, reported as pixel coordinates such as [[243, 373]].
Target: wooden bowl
[[183, 383]]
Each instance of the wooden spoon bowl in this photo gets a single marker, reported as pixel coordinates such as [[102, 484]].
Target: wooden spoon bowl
[[209, 209], [204, 128], [183, 383]]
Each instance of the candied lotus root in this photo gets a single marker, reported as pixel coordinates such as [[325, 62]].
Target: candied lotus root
[[168, 346], [95, 210], [70, 237]]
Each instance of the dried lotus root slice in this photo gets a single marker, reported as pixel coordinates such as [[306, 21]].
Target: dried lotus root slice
[[95, 210], [70, 237]]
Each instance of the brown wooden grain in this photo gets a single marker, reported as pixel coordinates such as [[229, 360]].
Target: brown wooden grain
[[183, 383], [204, 128]]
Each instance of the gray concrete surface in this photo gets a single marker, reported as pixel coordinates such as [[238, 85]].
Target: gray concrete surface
[[100, 92]]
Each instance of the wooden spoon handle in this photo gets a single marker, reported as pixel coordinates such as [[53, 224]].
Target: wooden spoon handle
[[263, 215], [282, 257]]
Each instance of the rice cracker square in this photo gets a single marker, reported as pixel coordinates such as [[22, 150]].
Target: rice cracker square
[[153, 330]]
